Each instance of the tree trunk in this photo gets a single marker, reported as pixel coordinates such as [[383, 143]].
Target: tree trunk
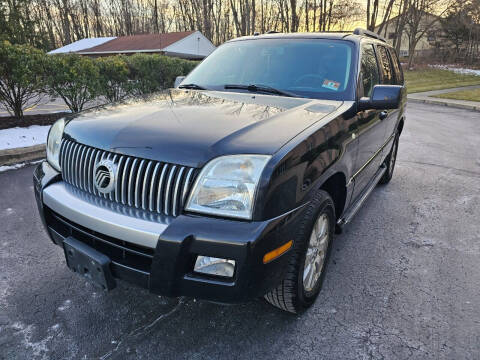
[[155, 16], [294, 21], [254, 15], [411, 53], [18, 109]]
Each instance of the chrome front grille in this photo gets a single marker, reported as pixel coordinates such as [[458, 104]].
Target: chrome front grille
[[144, 184]]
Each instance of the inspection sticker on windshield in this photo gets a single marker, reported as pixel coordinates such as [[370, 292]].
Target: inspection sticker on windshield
[[330, 84]]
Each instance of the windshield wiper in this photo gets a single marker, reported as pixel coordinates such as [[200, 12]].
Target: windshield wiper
[[192, 86], [261, 88]]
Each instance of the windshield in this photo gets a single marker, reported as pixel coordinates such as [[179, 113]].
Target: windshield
[[314, 68]]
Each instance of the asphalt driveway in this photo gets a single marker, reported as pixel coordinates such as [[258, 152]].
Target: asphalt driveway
[[45, 106], [403, 281]]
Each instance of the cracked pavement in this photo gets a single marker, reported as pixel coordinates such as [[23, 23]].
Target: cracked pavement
[[403, 280]]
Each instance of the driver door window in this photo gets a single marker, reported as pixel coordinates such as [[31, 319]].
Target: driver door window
[[369, 70]]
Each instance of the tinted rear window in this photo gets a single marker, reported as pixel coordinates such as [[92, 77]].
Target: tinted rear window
[[388, 77], [397, 67]]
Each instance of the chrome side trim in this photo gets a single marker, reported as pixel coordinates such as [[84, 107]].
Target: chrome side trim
[[348, 216], [105, 221], [370, 160]]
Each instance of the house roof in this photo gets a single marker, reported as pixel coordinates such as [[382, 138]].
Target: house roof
[[137, 43], [81, 45], [395, 18]]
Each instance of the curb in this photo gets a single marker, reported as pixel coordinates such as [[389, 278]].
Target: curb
[[23, 154], [444, 103]]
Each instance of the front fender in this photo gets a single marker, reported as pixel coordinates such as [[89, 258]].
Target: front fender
[[301, 169]]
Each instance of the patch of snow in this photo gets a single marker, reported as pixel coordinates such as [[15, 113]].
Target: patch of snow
[[66, 304], [81, 45], [20, 137], [8, 211], [17, 166], [457, 69]]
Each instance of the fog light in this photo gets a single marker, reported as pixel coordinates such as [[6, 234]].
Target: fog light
[[214, 266]]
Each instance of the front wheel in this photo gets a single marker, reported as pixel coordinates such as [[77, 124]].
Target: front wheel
[[390, 161], [307, 265]]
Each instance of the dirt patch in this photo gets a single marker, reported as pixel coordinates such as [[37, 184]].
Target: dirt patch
[[28, 120]]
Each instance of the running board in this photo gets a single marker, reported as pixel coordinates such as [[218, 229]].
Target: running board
[[348, 216]]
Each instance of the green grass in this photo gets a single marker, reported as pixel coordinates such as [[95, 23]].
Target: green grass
[[471, 95], [434, 79]]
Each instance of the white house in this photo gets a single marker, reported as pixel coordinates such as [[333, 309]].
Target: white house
[[186, 44]]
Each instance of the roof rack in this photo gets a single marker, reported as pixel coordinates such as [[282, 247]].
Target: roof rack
[[360, 31]]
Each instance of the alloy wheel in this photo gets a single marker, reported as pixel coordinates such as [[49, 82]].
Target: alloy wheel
[[316, 253]]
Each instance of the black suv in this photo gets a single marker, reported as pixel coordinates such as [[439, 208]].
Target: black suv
[[231, 186]]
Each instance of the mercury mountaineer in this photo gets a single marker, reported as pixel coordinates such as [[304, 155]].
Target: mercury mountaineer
[[230, 186]]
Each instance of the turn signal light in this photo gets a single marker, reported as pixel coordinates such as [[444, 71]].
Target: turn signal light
[[272, 255]]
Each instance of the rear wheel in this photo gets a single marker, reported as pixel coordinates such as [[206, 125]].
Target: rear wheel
[[390, 161], [307, 265]]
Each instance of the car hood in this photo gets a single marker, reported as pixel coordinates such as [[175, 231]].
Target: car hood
[[189, 127]]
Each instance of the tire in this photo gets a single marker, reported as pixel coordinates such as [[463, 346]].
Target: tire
[[294, 294], [390, 162]]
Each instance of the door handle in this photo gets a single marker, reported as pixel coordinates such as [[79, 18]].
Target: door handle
[[383, 115]]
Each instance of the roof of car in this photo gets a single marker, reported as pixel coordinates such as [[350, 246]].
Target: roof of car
[[310, 35]]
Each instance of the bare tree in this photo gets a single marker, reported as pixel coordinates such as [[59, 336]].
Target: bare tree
[[461, 27], [419, 20], [59, 22], [400, 22], [372, 13]]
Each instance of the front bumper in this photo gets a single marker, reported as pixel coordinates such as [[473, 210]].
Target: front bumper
[[158, 252]]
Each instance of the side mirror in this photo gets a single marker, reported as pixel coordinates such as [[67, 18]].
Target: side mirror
[[383, 97], [178, 81]]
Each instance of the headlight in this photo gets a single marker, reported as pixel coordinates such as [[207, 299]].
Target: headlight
[[53, 143], [226, 186]]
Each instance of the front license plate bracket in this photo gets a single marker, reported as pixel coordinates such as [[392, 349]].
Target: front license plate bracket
[[89, 263]]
